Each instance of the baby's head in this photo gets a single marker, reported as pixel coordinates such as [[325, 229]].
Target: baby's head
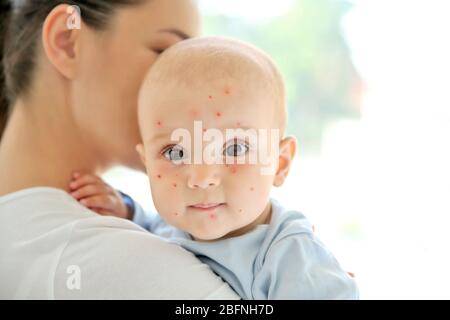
[[212, 117]]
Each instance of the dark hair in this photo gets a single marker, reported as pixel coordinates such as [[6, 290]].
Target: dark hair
[[20, 26]]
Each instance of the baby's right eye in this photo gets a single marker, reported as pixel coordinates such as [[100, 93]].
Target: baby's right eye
[[174, 153]]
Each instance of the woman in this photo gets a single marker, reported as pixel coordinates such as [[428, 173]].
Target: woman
[[71, 94]]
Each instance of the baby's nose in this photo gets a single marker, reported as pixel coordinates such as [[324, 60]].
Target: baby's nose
[[203, 178]]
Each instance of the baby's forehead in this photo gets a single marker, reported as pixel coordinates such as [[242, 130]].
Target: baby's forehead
[[223, 102], [165, 119], [221, 76], [223, 105]]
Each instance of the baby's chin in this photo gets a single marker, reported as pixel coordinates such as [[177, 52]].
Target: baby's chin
[[207, 236]]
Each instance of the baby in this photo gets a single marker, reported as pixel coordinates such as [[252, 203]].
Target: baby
[[212, 117]]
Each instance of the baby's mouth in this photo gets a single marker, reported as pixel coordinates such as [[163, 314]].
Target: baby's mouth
[[206, 206]]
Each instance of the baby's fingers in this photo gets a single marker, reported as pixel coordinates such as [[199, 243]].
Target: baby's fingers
[[90, 191], [81, 180], [102, 202], [102, 212]]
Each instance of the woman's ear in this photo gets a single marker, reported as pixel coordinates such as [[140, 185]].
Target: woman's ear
[[288, 148], [140, 149], [61, 39]]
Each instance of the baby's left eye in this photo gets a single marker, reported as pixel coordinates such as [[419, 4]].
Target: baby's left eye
[[236, 150]]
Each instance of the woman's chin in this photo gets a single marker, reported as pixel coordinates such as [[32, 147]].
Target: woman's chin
[[136, 164]]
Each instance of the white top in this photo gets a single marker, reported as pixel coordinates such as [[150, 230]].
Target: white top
[[51, 247]]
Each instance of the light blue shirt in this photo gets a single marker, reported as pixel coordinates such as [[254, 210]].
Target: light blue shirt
[[280, 260]]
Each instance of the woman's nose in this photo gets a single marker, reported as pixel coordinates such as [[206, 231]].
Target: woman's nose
[[203, 177]]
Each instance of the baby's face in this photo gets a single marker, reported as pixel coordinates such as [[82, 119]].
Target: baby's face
[[210, 200]]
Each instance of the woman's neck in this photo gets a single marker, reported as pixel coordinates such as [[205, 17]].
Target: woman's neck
[[41, 147]]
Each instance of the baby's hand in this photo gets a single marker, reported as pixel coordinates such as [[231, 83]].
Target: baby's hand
[[92, 192]]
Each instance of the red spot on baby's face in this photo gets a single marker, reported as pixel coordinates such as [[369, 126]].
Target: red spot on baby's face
[[174, 185], [158, 176], [252, 189], [175, 214], [227, 91], [159, 123], [238, 124], [218, 114], [210, 97], [233, 170], [212, 216]]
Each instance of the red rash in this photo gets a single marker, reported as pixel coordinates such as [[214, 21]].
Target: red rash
[[159, 176], [219, 114], [159, 123]]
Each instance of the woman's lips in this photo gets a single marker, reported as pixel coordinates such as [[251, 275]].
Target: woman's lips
[[206, 206]]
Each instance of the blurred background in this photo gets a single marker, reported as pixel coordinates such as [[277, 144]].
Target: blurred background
[[369, 102]]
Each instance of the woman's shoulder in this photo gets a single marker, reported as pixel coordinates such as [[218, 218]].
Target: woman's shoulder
[[115, 257], [48, 209]]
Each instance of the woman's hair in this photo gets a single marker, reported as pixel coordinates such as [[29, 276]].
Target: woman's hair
[[20, 28]]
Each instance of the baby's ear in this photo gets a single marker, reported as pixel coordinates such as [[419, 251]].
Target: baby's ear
[[141, 151], [288, 147]]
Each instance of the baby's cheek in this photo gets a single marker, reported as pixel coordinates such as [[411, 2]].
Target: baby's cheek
[[167, 190], [163, 170], [247, 188], [232, 169], [168, 203]]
